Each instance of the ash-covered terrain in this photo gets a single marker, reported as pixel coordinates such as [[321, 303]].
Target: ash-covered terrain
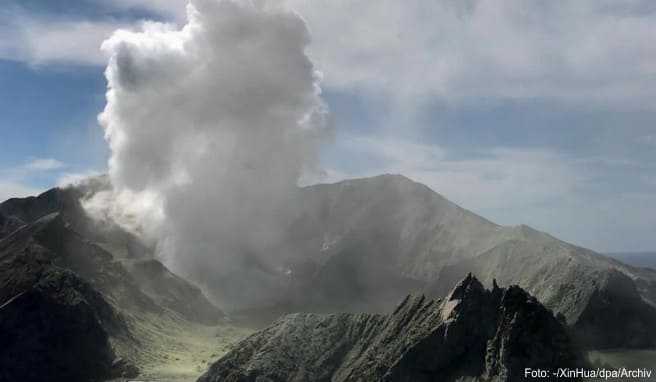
[[87, 300]]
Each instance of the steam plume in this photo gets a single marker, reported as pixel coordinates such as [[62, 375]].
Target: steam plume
[[210, 127]]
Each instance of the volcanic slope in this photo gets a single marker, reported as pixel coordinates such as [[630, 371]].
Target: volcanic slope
[[362, 244], [98, 279]]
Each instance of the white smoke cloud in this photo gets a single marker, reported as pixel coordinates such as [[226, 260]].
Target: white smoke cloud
[[69, 179], [210, 127]]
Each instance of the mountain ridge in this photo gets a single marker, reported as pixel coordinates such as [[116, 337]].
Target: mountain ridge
[[410, 235], [363, 244], [72, 310], [472, 335]]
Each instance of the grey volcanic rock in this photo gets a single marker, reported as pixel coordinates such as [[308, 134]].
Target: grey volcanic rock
[[473, 335], [383, 237], [49, 242], [17, 212], [55, 331]]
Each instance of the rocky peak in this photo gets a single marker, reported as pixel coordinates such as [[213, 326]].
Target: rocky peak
[[473, 335], [467, 288]]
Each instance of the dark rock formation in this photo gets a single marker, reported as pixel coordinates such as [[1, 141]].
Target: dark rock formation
[[55, 331], [473, 335]]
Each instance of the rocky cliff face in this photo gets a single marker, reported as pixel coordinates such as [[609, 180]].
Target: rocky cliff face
[[57, 330], [473, 335]]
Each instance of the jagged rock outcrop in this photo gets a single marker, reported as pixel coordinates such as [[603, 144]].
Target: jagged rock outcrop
[[473, 335], [601, 305], [56, 330]]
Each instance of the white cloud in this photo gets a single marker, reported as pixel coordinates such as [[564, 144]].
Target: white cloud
[[33, 166], [75, 178], [73, 42], [43, 41], [583, 51], [43, 164], [213, 123], [574, 50]]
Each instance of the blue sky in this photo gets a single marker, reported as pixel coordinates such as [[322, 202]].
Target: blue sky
[[523, 111]]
